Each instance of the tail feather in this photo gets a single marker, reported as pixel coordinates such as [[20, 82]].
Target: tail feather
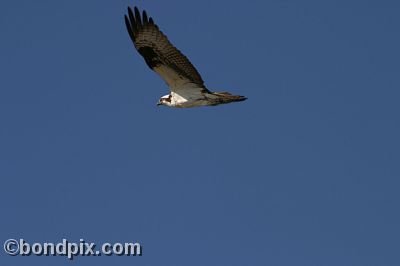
[[226, 97]]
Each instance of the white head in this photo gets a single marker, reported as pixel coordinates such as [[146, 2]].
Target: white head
[[165, 100]]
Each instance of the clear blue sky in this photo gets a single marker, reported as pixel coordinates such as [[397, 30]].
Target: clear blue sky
[[305, 172]]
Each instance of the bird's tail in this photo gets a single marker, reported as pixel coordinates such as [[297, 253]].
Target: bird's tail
[[226, 97]]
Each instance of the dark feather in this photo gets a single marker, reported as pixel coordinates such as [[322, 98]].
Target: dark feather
[[132, 21], [138, 18], [145, 20], [129, 29]]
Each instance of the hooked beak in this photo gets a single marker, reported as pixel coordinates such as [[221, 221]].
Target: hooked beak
[[158, 104]]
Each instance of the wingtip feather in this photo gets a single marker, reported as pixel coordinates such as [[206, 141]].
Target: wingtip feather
[[138, 17], [129, 28], [145, 19]]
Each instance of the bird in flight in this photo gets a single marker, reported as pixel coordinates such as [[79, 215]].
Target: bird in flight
[[186, 86]]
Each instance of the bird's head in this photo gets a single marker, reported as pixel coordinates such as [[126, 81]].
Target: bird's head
[[165, 100]]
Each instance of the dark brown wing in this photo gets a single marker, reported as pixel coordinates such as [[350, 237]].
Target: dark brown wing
[[159, 54]]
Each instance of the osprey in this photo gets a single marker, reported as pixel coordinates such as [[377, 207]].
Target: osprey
[[185, 83]]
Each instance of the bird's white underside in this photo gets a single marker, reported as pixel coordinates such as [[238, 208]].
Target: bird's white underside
[[184, 93]]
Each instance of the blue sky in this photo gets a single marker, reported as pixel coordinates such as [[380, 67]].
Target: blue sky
[[305, 172]]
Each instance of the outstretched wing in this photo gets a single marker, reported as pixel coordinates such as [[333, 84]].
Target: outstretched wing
[[160, 55]]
